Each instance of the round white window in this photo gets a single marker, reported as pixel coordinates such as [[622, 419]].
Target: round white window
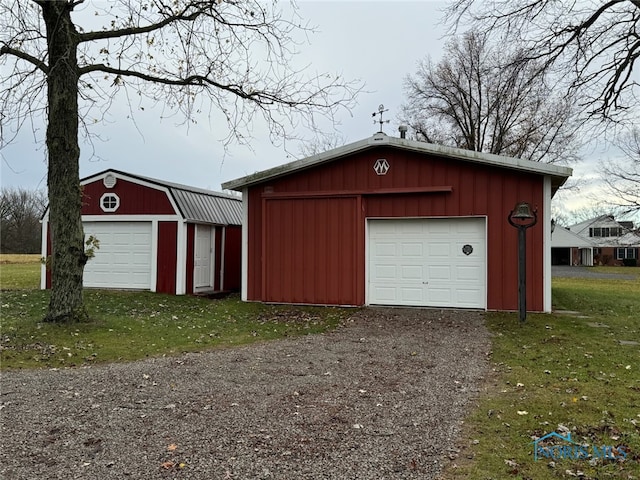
[[109, 202]]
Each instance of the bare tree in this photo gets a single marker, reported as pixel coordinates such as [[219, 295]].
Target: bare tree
[[481, 97], [69, 58], [20, 213], [622, 178], [567, 218], [321, 144], [593, 44]]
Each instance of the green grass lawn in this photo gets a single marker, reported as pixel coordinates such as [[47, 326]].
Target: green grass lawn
[[556, 371], [19, 271], [132, 325], [127, 326]]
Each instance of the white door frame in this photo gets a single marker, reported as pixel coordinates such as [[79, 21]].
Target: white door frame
[[212, 257]]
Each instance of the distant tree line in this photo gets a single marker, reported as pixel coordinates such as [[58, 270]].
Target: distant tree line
[[20, 213]]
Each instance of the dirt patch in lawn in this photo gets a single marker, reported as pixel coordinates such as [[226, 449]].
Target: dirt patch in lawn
[[382, 396]]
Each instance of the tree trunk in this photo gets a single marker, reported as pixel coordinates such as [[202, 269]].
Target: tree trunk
[[65, 195]]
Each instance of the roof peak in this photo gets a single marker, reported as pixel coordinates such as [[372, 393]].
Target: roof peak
[[559, 174], [162, 183]]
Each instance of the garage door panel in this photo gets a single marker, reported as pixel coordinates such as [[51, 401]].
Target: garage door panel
[[423, 262], [438, 249], [124, 257], [412, 250], [439, 228], [386, 294], [468, 228], [386, 272], [411, 295], [471, 273], [468, 295], [439, 296], [411, 272], [386, 249], [439, 272]]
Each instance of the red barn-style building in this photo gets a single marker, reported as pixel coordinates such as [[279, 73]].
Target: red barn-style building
[[391, 221], [157, 236]]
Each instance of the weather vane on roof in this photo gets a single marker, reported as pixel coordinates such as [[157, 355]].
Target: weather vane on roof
[[380, 111]]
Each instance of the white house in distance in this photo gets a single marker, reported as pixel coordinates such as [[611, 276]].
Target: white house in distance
[[612, 242], [568, 248]]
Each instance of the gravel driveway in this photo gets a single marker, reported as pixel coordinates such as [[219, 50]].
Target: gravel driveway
[[381, 397]]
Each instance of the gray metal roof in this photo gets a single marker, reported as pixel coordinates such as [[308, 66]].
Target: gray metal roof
[[557, 173], [208, 207], [195, 204]]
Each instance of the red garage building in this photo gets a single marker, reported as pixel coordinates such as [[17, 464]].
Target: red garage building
[[392, 221], [157, 236]]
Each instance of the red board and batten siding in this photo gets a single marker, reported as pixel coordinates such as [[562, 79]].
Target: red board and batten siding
[[232, 257], [167, 257], [316, 238], [135, 199], [307, 230]]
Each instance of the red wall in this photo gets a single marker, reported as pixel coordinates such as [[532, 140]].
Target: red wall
[[307, 230], [167, 257], [311, 246], [232, 257], [135, 199], [191, 245]]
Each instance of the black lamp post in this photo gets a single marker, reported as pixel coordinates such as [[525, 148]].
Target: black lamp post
[[522, 217]]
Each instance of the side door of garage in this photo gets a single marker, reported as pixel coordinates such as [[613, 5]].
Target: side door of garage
[[434, 262]]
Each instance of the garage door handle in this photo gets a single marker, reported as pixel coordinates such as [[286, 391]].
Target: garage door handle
[[425, 283]]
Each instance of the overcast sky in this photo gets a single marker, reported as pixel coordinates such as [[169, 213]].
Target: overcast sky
[[379, 42]]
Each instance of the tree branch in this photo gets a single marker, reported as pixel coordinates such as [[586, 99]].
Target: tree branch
[[591, 44], [7, 50], [125, 32]]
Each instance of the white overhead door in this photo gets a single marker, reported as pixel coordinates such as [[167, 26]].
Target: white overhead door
[[124, 257], [427, 262]]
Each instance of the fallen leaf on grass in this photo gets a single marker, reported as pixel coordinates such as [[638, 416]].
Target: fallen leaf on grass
[[167, 465], [172, 447]]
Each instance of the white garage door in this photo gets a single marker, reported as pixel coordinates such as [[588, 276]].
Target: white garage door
[[124, 257], [427, 262]]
